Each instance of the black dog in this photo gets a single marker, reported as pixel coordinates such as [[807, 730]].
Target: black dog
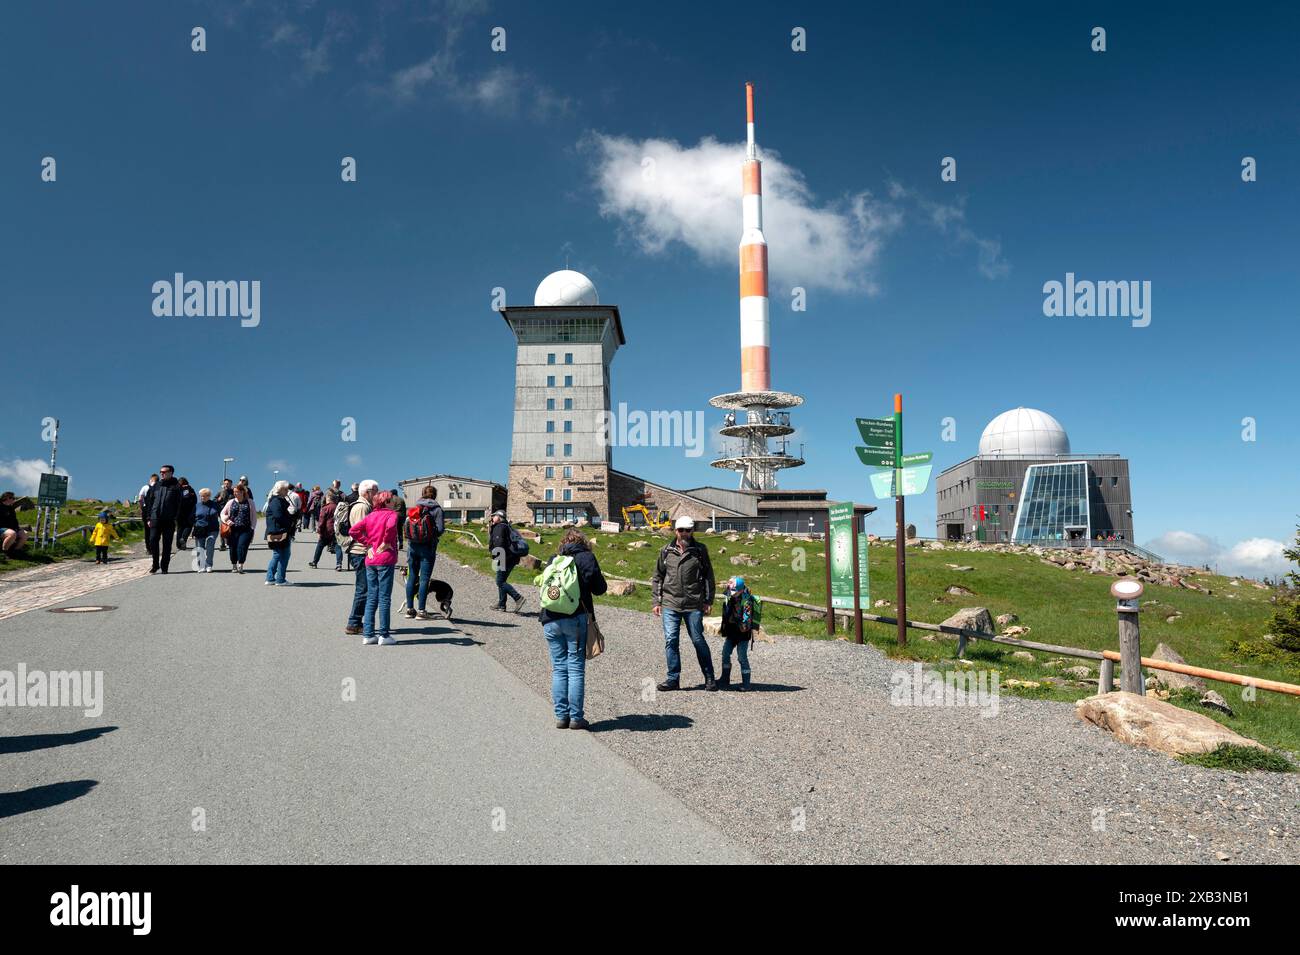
[[443, 593]]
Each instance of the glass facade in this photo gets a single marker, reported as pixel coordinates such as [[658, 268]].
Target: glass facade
[[541, 331], [1054, 503]]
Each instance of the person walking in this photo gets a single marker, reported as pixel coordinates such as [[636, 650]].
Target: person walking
[[377, 533], [240, 517], [683, 593], [354, 512], [566, 633], [223, 497], [162, 507], [185, 518], [207, 520], [311, 517], [144, 492], [425, 525], [325, 532], [737, 631], [103, 535], [280, 521], [502, 547]]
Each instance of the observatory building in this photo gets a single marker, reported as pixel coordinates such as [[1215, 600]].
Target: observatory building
[[1027, 486]]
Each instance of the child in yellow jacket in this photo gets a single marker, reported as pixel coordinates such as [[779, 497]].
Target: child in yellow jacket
[[103, 534]]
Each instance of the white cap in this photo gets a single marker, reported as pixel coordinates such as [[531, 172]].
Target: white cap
[[685, 523]]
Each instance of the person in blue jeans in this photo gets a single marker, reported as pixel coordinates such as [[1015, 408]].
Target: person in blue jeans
[[356, 553], [424, 527], [683, 593], [280, 522], [566, 634]]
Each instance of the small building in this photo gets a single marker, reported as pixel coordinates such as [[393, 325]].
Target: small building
[[1027, 486], [463, 499]]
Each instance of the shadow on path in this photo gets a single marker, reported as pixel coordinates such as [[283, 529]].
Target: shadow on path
[[43, 797], [644, 723], [27, 744]]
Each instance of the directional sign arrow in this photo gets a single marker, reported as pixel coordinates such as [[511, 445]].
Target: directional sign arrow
[[877, 431], [876, 457], [923, 457]]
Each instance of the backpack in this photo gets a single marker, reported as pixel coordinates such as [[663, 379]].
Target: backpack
[[558, 585], [342, 520], [419, 526], [518, 546]]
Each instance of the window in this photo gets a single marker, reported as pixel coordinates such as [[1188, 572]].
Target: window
[[568, 381], [550, 450], [1114, 482], [550, 427], [550, 381], [550, 358], [568, 427], [550, 472], [550, 494], [550, 404], [568, 494], [568, 404], [568, 358], [568, 470], [568, 450]]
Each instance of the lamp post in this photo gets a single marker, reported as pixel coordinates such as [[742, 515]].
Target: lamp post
[[225, 463]]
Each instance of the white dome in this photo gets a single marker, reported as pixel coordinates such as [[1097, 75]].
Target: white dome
[[566, 287], [1025, 432]]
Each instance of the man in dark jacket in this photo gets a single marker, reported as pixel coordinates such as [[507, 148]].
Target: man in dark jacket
[[185, 517], [162, 506], [683, 592], [567, 634], [504, 560]]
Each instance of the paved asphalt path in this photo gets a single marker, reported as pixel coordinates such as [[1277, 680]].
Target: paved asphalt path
[[224, 700]]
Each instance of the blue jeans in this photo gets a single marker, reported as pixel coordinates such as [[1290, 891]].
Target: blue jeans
[[379, 600], [358, 564], [323, 544], [567, 639], [741, 646], [278, 563], [205, 543], [240, 538], [694, 620], [504, 588], [419, 562]]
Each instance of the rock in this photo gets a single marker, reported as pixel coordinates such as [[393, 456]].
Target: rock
[[1079, 672], [882, 603], [1214, 701], [958, 567], [1006, 619], [1175, 616], [744, 560], [722, 550], [1015, 631], [1023, 655], [529, 562], [733, 537], [621, 563], [636, 544], [959, 591], [713, 626], [1155, 724], [972, 618], [807, 616], [1222, 856], [622, 588], [1174, 681]]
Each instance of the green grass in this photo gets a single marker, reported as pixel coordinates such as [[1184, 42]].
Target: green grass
[[1241, 759], [72, 547], [1068, 608]]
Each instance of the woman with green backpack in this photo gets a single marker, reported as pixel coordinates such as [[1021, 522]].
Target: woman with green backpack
[[566, 587]]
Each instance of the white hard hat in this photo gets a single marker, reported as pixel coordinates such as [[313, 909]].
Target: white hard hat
[[685, 523]]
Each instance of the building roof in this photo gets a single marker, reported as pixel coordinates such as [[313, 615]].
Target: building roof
[[1024, 432], [548, 311], [451, 477]]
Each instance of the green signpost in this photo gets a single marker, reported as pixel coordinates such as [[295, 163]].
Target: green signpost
[[53, 491], [840, 554]]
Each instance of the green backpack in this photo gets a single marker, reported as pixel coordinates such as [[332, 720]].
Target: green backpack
[[558, 585]]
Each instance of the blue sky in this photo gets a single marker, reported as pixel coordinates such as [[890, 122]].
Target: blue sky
[[479, 169]]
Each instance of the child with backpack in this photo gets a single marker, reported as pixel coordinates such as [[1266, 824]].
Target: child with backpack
[[740, 618], [103, 535]]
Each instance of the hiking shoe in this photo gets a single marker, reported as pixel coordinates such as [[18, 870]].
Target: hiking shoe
[[667, 685], [519, 602], [710, 684], [386, 641], [562, 724], [369, 641], [501, 607], [410, 613], [311, 564], [578, 724], [424, 615], [351, 631], [154, 570]]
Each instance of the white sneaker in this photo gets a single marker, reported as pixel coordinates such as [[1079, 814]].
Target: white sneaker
[[369, 641], [386, 641], [269, 583]]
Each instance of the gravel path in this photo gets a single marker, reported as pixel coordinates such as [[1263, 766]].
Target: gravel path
[[819, 743]]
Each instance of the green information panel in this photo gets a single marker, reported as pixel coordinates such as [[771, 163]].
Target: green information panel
[[878, 432], [876, 457], [839, 551], [915, 481], [53, 491], [864, 574]]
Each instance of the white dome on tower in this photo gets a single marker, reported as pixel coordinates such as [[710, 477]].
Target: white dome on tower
[[1025, 432], [566, 287]]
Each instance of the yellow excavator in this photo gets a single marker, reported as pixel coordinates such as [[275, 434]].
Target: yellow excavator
[[637, 517]]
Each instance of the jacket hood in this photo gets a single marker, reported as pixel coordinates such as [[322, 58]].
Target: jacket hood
[[572, 549], [427, 502]]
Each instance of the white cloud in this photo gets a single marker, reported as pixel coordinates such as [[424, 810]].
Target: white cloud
[[664, 193], [1254, 557], [279, 464], [353, 460], [23, 475]]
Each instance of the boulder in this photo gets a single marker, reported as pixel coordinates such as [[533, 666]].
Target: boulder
[[1155, 724], [1175, 681], [972, 618], [959, 591], [1079, 672], [744, 560], [1015, 631], [713, 626], [1023, 655], [529, 562], [621, 588], [958, 567], [637, 544], [882, 603], [1214, 701], [1007, 619]]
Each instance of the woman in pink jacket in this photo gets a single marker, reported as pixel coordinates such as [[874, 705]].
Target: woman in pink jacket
[[378, 532]]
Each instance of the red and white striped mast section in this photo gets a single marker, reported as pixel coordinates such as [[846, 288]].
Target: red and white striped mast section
[[757, 412]]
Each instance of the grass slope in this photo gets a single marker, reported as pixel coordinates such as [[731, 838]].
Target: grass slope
[[72, 547], [1223, 630]]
